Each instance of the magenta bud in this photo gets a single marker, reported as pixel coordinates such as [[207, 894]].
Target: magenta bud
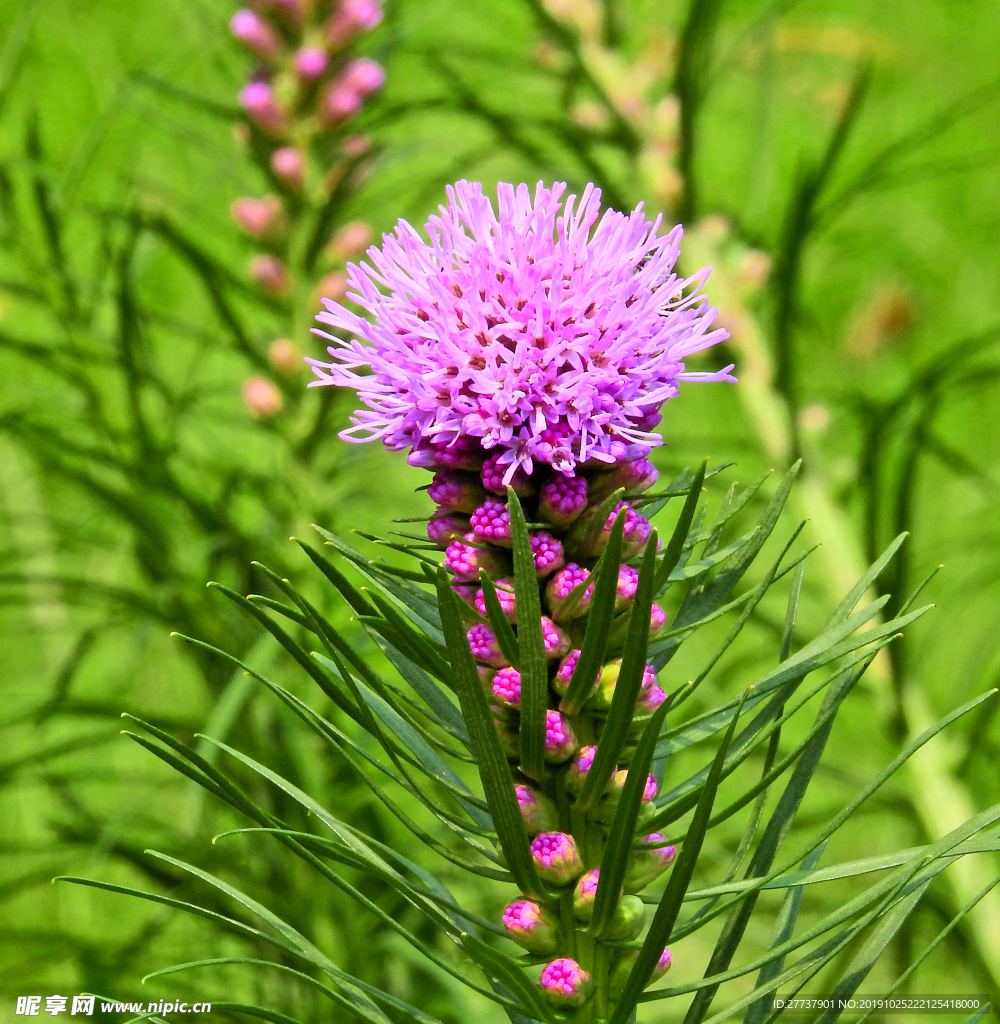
[[629, 919], [636, 533], [456, 491], [255, 33], [466, 557], [493, 473], [259, 101], [556, 857], [486, 675], [565, 983], [258, 217], [560, 597], [505, 595], [628, 583], [623, 968], [533, 927], [338, 104], [608, 681], [649, 701], [608, 806], [484, 646], [463, 452], [547, 552], [560, 740], [579, 768], [538, 811], [270, 274], [491, 522], [564, 674], [584, 895], [443, 527], [657, 621], [647, 865], [562, 499], [289, 166], [363, 75], [466, 592], [310, 63], [507, 687], [556, 642], [635, 475]]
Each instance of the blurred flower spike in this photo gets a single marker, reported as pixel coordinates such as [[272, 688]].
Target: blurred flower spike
[[541, 332]]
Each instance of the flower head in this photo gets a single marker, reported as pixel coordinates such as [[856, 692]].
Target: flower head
[[565, 983], [556, 857], [530, 925], [542, 329], [537, 810]]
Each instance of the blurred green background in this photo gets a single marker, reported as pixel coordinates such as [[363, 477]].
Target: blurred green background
[[838, 163]]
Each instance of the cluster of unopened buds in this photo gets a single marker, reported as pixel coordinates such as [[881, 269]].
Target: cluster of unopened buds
[[472, 526]]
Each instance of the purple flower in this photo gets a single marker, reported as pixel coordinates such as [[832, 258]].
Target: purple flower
[[546, 331], [649, 701], [363, 75], [547, 552], [443, 528], [556, 857], [455, 490], [310, 62], [563, 499], [507, 687], [484, 646], [505, 595], [565, 983], [532, 926], [560, 740], [537, 810], [555, 640], [491, 522], [628, 583], [636, 530], [493, 474]]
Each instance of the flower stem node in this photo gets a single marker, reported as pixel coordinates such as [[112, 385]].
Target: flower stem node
[[538, 811], [533, 927], [646, 865], [628, 921], [565, 983], [556, 858]]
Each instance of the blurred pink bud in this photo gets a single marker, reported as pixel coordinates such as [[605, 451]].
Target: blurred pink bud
[[262, 108], [339, 103], [365, 14], [357, 145], [350, 240], [261, 397], [255, 33], [258, 217], [363, 75], [286, 357], [310, 62], [289, 165], [332, 286], [270, 274]]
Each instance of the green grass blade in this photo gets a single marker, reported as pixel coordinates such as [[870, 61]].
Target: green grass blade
[[602, 611], [530, 644], [861, 587], [498, 784], [681, 530], [509, 973]]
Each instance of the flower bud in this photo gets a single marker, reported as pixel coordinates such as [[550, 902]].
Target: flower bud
[[484, 646], [629, 919], [608, 680], [556, 642], [261, 397], [259, 101], [560, 740], [562, 500], [486, 674], [465, 592], [505, 595], [538, 811], [466, 557], [608, 806], [363, 75], [491, 523], [565, 983], [331, 286], [584, 895], [628, 583], [351, 17], [493, 474], [646, 865], [456, 491], [339, 103], [533, 927], [269, 272], [547, 553], [507, 687], [578, 770], [310, 63], [444, 527], [556, 857], [350, 240], [286, 357], [635, 475], [289, 166], [636, 533], [258, 217], [564, 674], [255, 33], [559, 589], [623, 968], [649, 701], [657, 621]]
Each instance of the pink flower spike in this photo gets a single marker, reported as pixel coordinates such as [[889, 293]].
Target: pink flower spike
[[363, 75], [505, 595], [556, 858], [563, 499], [555, 640], [289, 166], [255, 33], [507, 687], [310, 63], [491, 522], [493, 474], [547, 552], [533, 927], [560, 740], [484, 646], [259, 101], [565, 983]]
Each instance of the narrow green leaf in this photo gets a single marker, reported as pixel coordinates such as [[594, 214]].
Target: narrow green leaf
[[498, 784], [619, 720], [683, 526], [598, 630], [599, 519], [498, 621], [507, 971], [530, 645], [861, 587]]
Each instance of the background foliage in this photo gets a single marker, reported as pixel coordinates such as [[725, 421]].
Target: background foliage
[[850, 148]]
